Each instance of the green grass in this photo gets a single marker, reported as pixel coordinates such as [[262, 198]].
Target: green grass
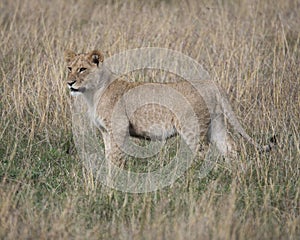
[[251, 49]]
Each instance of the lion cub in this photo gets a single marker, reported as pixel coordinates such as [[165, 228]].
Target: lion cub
[[150, 110]]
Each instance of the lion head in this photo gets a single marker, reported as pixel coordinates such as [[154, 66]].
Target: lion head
[[79, 67]]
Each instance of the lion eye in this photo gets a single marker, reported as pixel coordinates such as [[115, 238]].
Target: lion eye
[[81, 69], [70, 69]]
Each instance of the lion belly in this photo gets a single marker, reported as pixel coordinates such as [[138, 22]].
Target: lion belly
[[152, 122]]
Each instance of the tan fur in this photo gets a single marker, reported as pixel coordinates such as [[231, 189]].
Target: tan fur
[[89, 76]]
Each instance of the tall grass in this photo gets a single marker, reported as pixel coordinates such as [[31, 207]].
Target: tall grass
[[251, 48]]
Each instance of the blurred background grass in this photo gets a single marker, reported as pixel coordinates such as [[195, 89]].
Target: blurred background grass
[[251, 48]]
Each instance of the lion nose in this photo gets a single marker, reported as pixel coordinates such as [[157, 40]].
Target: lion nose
[[71, 83]]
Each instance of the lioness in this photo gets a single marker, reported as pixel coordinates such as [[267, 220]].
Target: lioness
[[104, 94]]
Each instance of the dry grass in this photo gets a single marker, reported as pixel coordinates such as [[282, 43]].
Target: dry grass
[[252, 48]]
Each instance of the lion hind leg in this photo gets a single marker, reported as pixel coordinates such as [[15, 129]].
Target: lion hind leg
[[219, 137]]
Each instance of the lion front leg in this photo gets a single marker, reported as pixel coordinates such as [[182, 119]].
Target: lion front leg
[[113, 153]]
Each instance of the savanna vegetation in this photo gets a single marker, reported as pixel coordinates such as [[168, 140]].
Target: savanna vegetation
[[250, 48]]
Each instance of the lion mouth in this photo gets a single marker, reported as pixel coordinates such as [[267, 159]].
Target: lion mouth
[[74, 89]]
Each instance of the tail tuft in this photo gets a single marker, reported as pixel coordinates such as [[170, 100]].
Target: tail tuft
[[272, 144], [273, 140]]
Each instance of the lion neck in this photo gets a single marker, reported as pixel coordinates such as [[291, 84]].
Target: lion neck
[[101, 79]]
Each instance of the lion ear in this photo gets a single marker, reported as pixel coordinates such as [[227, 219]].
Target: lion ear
[[69, 55], [96, 57]]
